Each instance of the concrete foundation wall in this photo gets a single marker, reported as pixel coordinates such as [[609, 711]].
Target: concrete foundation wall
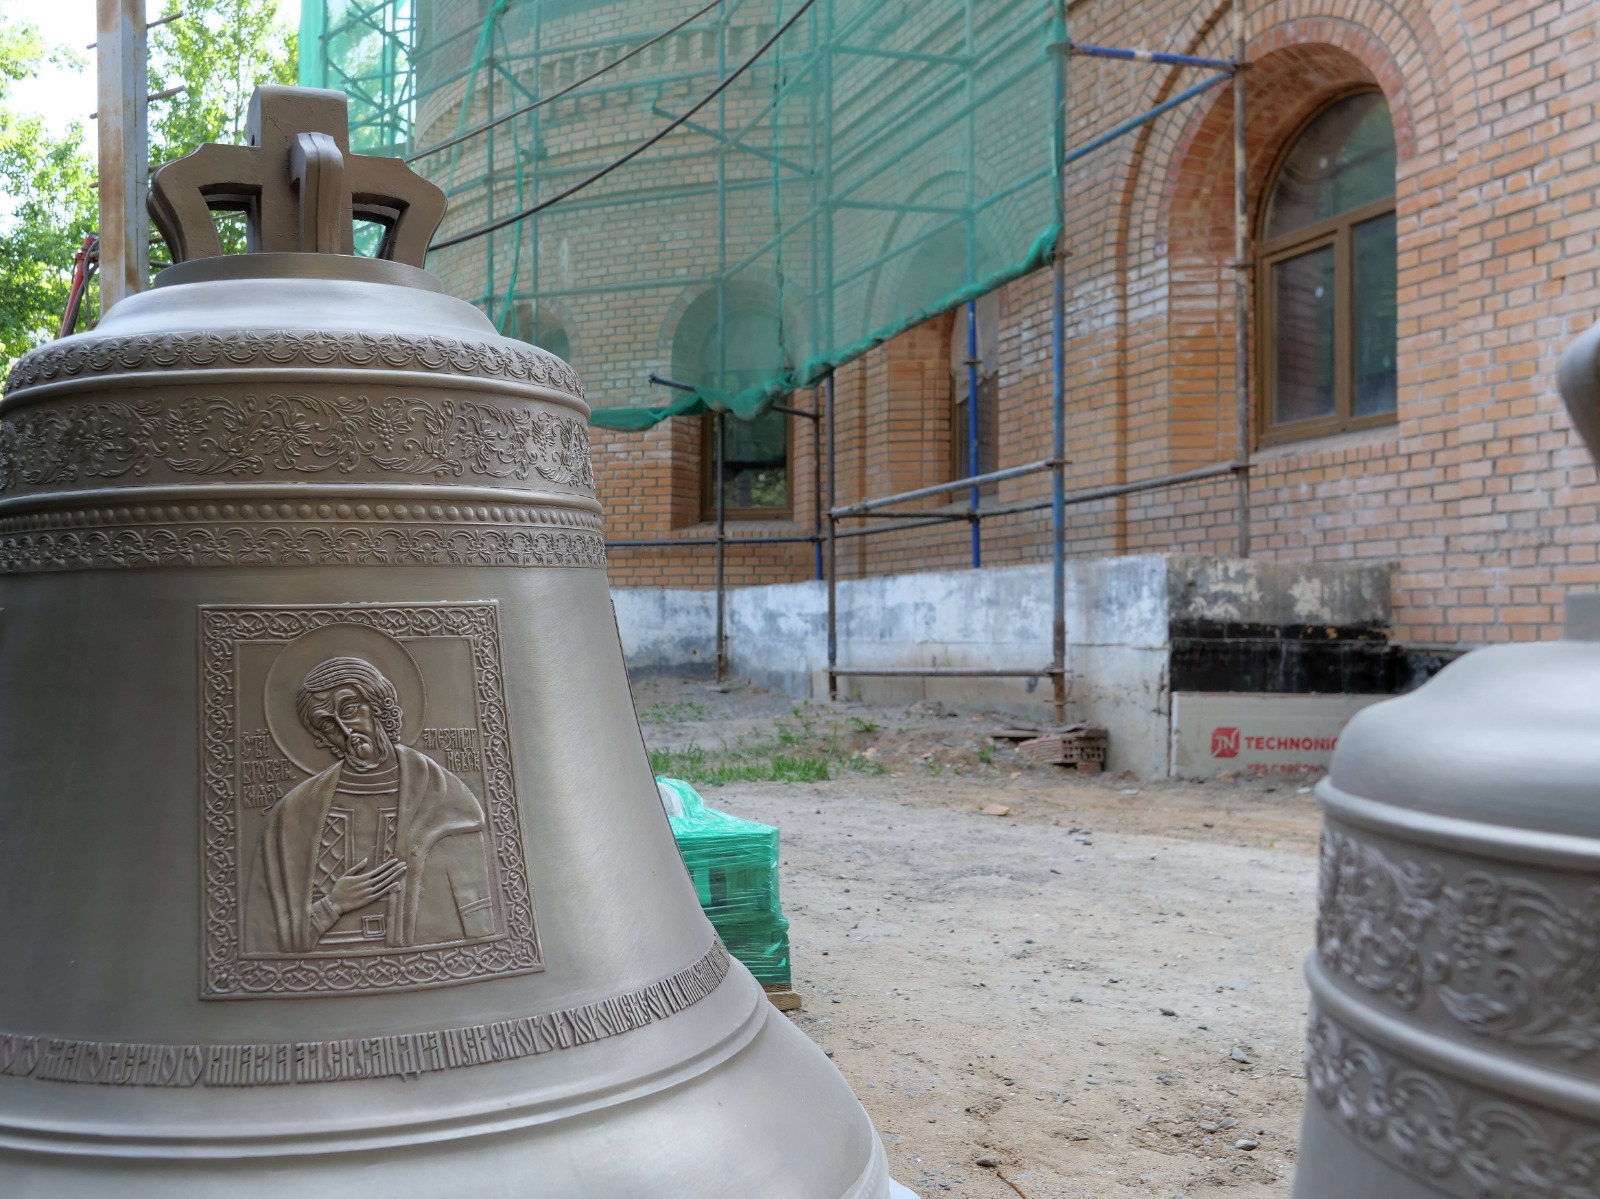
[[1120, 613]]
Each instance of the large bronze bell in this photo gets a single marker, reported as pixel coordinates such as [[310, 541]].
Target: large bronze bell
[[1455, 989], [330, 859]]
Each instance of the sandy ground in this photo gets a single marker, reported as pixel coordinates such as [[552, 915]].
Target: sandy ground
[[1096, 995]]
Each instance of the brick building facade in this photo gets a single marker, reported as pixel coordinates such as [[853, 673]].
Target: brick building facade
[[1477, 488]]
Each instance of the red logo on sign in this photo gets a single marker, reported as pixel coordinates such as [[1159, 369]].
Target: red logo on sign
[[1225, 743]]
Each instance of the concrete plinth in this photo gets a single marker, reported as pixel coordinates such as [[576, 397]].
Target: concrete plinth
[[1137, 628]]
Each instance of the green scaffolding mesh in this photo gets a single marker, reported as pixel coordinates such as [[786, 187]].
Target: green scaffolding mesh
[[734, 866], [866, 164]]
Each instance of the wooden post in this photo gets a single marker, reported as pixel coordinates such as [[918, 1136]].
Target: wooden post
[[124, 149]]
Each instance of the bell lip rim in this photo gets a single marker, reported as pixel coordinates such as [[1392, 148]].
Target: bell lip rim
[[300, 267]]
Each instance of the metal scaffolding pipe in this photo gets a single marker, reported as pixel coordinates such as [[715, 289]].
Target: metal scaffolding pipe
[[1145, 117], [993, 476], [722, 557], [1171, 60], [1241, 277], [816, 480], [925, 523], [963, 515], [1116, 489], [645, 542], [1058, 398], [1068, 499], [961, 672], [833, 543]]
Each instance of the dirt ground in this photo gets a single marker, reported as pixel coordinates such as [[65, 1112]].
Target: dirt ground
[[1098, 994]]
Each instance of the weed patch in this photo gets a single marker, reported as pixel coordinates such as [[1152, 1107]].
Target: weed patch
[[744, 764], [682, 712]]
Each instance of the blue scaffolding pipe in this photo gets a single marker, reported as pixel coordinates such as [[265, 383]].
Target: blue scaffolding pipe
[[1171, 60], [634, 543], [1127, 126]]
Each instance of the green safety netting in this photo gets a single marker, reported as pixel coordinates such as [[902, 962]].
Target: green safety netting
[[866, 164], [734, 866]]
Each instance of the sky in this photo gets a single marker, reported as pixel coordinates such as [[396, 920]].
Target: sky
[[64, 95]]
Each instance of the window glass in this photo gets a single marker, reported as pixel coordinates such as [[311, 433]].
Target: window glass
[[1373, 383], [1344, 159], [755, 462], [1303, 337], [755, 454]]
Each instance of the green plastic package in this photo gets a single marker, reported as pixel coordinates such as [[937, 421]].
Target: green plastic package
[[734, 866]]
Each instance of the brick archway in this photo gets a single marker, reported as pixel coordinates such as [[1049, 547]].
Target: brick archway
[[1286, 86], [1177, 187]]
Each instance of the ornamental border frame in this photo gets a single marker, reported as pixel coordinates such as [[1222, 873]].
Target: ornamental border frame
[[290, 436], [1440, 1129], [43, 548], [136, 354], [1502, 955], [226, 973]]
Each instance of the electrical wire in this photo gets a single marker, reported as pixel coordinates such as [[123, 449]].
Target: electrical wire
[[515, 217], [571, 87]]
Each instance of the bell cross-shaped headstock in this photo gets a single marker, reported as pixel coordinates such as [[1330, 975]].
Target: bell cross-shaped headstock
[[298, 185]]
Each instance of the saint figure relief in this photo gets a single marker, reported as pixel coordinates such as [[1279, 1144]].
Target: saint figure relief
[[383, 848]]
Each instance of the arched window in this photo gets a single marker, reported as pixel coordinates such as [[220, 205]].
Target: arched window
[[1327, 276], [743, 352]]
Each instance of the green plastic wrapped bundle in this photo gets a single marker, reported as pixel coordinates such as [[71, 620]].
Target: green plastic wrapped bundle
[[734, 865]]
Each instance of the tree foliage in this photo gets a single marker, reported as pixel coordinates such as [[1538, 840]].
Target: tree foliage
[[47, 201], [217, 51]]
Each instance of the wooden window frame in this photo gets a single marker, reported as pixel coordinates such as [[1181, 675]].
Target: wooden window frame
[[708, 475], [1339, 232]]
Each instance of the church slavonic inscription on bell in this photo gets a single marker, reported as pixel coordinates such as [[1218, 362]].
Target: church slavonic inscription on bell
[[458, 746], [264, 774], [349, 847]]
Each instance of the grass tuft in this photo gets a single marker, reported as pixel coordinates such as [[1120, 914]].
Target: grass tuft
[[681, 712]]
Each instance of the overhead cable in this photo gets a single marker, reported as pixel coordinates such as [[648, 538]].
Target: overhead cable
[[515, 217], [571, 87]]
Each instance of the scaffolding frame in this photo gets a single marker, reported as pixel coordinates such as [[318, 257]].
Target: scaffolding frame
[[1230, 72], [378, 81], [383, 95]]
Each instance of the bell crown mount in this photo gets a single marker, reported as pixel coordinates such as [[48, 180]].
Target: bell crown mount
[[298, 184]]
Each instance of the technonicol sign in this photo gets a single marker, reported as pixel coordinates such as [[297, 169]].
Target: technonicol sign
[[1214, 734]]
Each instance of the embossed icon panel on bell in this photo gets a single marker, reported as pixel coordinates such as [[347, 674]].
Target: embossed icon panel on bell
[[330, 857], [360, 824]]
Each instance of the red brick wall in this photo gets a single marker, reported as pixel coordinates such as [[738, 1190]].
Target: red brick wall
[[1479, 490]]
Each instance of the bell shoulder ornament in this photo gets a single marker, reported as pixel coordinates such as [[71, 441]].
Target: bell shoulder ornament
[[297, 403]]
